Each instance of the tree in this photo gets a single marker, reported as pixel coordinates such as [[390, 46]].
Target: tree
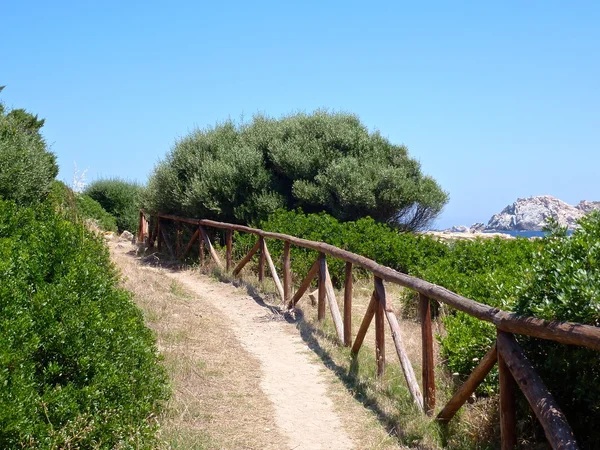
[[27, 168], [318, 162]]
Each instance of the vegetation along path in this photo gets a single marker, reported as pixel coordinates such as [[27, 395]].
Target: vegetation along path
[[272, 385]]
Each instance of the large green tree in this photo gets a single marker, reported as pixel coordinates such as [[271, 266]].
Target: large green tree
[[27, 168], [318, 162]]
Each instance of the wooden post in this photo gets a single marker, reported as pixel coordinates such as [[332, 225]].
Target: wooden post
[[469, 386], [407, 369], [333, 306], [178, 240], [261, 261], [305, 284], [508, 420], [557, 429], [321, 303], [287, 273], [201, 247], [140, 234], [428, 367], [348, 305], [246, 258], [273, 271], [364, 326], [379, 334], [189, 246], [229, 244], [158, 235], [211, 249]]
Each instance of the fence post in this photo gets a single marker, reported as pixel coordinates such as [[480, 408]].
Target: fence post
[[287, 273], [322, 292], [229, 244], [348, 305], [508, 421], [261, 260], [379, 334], [427, 355]]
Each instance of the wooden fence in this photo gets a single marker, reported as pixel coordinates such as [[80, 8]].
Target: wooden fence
[[514, 368]]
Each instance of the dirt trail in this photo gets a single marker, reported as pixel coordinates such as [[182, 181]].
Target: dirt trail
[[293, 382], [290, 380]]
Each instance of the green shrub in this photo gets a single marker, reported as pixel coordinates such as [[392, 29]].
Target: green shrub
[[318, 162], [78, 368], [120, 198], [564, 284], [27, 169], [81, 206]]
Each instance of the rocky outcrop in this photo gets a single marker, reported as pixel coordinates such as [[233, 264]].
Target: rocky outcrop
[[587, 206], [530, 214]]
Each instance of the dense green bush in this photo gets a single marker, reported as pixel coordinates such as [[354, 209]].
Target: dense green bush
[[319, 162], [564, 284], [78, 368], [120, 198], [81, 207], [27, 169]]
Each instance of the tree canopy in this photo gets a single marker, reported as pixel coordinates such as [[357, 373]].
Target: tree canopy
[[318, 162], [27, 168]]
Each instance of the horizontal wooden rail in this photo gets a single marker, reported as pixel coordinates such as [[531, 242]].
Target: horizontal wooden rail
[[564, 332]]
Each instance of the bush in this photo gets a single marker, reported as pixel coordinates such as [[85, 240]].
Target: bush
[[120, 198], [564, 284], [78, 368], [319, 162], [27, 169], [81, 206]]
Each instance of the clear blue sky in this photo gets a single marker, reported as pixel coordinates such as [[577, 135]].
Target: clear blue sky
[[497, 100]]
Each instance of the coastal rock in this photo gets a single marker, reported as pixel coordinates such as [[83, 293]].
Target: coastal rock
[[531, 214], [587, 206], [477, 227], [459, 229]]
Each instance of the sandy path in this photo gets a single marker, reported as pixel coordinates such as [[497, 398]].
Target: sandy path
[[294, 383]]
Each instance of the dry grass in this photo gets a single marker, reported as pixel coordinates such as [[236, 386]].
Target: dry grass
[[217, 401]]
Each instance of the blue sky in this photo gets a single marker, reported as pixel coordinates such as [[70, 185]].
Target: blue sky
[[497, 100]]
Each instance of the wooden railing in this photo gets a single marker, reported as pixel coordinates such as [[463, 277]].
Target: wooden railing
[[514, 368]]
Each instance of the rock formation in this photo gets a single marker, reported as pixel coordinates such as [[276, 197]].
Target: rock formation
[[531, 214]]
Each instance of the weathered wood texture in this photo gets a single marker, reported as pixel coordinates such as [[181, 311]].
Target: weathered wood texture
[[190, 244], [407, 368], [380, 336], [261, 259], [347, 305], [211, 250], [287, 273], [428, 367], [229, 250], [364, 326], [333, 306], [565, 332], [508, 413], [469, 386], [246, 258], [322, 293], [312, 273], [557, 429], [273, 271]]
